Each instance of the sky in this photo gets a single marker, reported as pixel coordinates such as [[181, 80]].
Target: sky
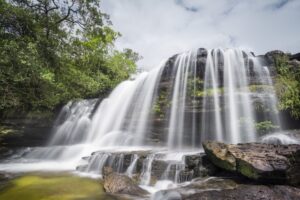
[[158, 29]]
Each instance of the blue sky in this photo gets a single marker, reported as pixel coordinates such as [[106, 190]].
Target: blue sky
[[158, 29]]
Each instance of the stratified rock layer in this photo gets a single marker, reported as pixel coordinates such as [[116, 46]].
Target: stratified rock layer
[[261, 162]]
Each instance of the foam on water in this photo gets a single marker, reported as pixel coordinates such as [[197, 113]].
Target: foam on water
[[279, 138]]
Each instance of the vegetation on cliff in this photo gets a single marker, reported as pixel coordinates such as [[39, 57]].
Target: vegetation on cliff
[[52, 51], [287, 84]]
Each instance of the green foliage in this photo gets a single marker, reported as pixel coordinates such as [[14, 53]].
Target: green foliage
[[55, 51], [260, 88], [195, 87], [265, 127], [161, 103], [288, 85]]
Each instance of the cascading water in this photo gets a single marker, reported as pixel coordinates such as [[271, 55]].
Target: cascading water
[[233, 67], [131, 169], [192, 97]]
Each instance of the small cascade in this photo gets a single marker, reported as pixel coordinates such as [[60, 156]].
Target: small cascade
[[132, 167], [73, 122], [69, 132], [175, 172], [120, 162], [146, 172], [179, 177], [96, 163], [166, 173]]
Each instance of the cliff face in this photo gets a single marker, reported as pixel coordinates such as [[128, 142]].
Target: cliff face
[[194, 103], [20, 131]]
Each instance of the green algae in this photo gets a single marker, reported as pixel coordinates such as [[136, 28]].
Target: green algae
[[54, 187]]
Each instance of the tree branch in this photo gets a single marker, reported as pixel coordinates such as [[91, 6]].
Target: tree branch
[[70, 9]]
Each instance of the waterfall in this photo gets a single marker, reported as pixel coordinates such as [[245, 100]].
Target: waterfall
[[235, 73], [193, 96], [226, 111], [75, 122]]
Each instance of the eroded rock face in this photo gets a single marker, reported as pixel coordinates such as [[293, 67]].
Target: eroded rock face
[[120, 184], [261, 162]]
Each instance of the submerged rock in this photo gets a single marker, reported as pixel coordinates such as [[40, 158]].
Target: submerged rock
[[121, 184], [261, 162]]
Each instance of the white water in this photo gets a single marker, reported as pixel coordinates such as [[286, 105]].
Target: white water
[[176, 127], [223, 111], [212, 82], [279, 138], [147, 168], [131, 169]]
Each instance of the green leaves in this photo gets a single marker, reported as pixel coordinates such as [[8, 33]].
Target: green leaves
[[265, 127], [55, 51], [287, 85]]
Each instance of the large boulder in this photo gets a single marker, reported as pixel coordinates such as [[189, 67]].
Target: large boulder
[[120, 184], [261, 162]]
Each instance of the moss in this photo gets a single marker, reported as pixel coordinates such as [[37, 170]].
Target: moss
[[265, 127], [48, 187], [260, 88], [246, 169], [5, 130], [161, 103]]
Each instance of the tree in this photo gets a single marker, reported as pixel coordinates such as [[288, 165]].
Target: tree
[[52, 51]]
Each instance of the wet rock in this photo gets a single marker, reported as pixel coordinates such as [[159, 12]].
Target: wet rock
[[228, 188], [200, 165], [261, 162], [249, 192], [81, 168], [295, 57], [269, 56], [23, 132], [122, 184], [119, 161], [158, 168]]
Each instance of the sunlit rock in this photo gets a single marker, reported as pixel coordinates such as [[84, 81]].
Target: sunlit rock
[[262, 162]]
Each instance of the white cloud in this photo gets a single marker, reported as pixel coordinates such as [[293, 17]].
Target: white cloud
[[157, 29]]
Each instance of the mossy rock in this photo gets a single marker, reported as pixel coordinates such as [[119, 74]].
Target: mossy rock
[[219, 155], [53, 186], [260, 162]]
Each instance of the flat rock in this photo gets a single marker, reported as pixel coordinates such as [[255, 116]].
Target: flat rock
[[249, 192], [228, 189], [262, 162]]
